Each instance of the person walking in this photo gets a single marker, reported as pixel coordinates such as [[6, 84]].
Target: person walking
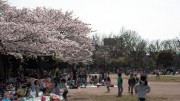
[[142, 87], [108, 84], [120, 85]]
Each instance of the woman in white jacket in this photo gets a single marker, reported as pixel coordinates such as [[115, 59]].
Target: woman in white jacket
[[142, 87]]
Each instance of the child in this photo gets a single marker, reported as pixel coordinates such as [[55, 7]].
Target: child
[[64, 85], [108, 83], [141, 88], [131, 82], [120, 83]]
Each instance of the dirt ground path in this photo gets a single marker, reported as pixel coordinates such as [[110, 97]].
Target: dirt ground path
[[168, 90]]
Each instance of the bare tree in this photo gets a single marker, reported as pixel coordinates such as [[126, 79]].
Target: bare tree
[[135, 49]]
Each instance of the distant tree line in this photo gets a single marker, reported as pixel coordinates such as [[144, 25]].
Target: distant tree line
[[128, 49]]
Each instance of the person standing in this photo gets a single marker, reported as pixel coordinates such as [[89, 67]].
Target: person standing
[[65, 88], [120, 85], [36, 87], [142, 87], [131, 83]]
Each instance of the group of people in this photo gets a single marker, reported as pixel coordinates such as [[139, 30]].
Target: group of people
[[48, 86], [59, 84], [141, 87], [33, 87]]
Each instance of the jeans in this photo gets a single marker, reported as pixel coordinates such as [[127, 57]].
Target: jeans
[[120, 90]]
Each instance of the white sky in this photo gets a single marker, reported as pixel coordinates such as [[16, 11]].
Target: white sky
[[152, 19]]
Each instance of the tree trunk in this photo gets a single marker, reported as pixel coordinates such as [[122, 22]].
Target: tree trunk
[[2, 69], [40, 68], [4, 63]]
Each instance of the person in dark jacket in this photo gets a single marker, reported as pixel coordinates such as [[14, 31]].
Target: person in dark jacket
[[131, 83]]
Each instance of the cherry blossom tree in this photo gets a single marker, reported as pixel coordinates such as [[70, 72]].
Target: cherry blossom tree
[[43, 31]]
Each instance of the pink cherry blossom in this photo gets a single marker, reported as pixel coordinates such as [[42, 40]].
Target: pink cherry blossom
[[43, 31]]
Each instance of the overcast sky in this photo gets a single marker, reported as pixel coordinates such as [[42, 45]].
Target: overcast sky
[[152, 19]]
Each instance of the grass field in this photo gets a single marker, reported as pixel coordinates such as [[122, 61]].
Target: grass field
[[84, 97], [164, 89], [166, 78]]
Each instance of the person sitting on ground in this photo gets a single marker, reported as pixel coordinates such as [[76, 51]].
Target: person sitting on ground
[[48, 84], [43, 86], [56, 89]]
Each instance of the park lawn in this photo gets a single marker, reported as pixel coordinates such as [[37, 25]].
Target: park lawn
[[125, 98], [113, 98], [166, 78]]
